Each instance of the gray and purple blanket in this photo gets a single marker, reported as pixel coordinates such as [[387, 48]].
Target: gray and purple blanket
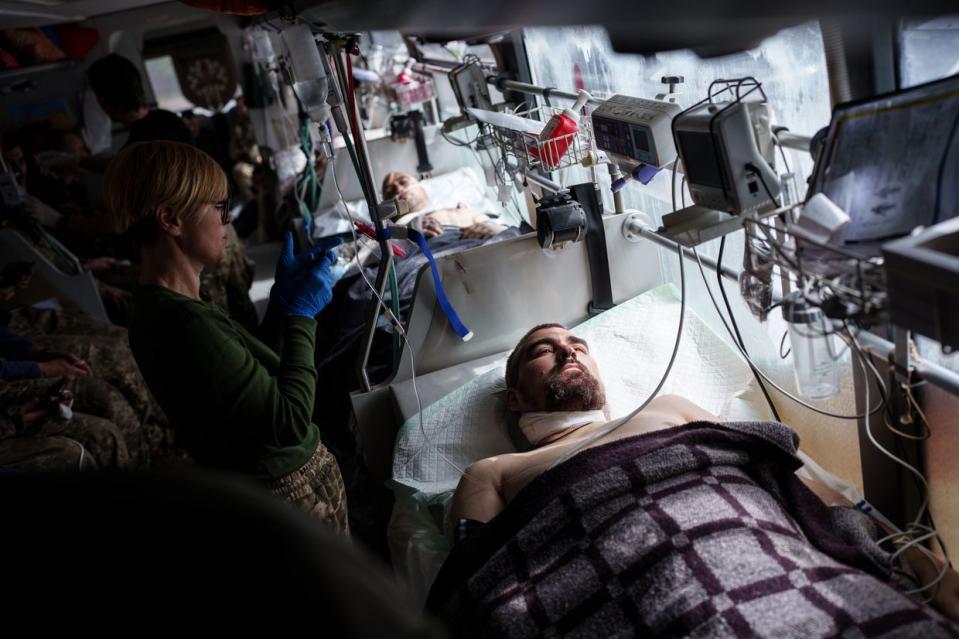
[[701, 530]]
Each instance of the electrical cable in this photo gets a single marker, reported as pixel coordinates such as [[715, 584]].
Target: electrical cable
[[739, 344], [782, 152], [906, 539], [83, 452], [732, 320], [456, 141], [917, 532], [755, 170], [916, 526]]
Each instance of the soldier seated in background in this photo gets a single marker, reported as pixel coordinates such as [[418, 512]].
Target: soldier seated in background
[[97, 361]]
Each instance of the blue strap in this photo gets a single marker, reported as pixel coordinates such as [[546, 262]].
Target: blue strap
[[447, 308], [644, 173]]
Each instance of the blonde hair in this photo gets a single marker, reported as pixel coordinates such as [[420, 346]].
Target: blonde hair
[[146, 177]]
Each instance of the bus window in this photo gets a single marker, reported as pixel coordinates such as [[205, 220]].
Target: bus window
[[927, 50], [791, 65]]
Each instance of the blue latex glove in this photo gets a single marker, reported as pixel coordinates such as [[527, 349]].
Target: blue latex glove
[[304, 282]]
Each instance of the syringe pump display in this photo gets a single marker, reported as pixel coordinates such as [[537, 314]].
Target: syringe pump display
[[635, 130]]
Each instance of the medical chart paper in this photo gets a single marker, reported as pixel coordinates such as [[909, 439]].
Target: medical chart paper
[[891, 162]]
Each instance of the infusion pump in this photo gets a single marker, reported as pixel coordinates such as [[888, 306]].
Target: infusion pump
[[636, 131]]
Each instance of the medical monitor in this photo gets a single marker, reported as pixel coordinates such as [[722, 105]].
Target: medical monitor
[[891, 162], [724, 168]]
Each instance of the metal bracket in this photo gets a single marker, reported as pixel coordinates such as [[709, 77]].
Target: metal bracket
[[696, 224]]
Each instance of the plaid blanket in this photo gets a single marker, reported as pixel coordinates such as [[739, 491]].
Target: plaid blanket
[[701, 530]]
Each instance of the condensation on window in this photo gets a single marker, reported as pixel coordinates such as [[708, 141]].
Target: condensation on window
[[927, 50], [791, 66]]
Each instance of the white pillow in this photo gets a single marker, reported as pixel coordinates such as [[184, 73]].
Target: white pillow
[[631, 344], [462, 186]]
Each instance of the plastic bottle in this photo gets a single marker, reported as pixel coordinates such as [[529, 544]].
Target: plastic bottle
[[813, 351], [557, 135]]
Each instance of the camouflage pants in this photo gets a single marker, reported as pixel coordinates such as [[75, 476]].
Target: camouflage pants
[[96, 398], [228, 283], [317, 489], [35, 322], [112, 360], [44, 453], [83, 443]]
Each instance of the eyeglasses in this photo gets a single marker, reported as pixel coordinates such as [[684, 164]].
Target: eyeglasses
[[223, 206]]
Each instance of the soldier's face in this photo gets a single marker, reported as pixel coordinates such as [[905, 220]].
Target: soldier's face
[[404, 186], [556, 373], [207, 239]]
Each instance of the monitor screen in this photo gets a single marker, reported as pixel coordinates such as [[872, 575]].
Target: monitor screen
[[891, 161], [699, 158], [640, 140]]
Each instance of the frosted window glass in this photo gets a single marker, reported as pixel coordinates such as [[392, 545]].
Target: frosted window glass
[[791, 65], [928, 50]]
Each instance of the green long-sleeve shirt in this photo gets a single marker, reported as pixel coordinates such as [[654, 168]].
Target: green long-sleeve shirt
[[234, 403]]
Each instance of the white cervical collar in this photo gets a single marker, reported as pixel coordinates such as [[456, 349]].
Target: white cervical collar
[[538, 426]]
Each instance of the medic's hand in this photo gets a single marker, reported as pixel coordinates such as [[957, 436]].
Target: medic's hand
[[304, 282]]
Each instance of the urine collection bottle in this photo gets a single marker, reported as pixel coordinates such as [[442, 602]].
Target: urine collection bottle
[[813, 349]]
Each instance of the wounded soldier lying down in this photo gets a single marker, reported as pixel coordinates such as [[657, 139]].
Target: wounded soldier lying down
[[681, 526]]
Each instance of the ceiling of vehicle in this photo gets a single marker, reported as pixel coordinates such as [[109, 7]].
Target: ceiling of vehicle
[[34, 13], [710, 27]]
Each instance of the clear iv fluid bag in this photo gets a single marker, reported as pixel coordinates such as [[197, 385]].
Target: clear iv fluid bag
[[311, 84]]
